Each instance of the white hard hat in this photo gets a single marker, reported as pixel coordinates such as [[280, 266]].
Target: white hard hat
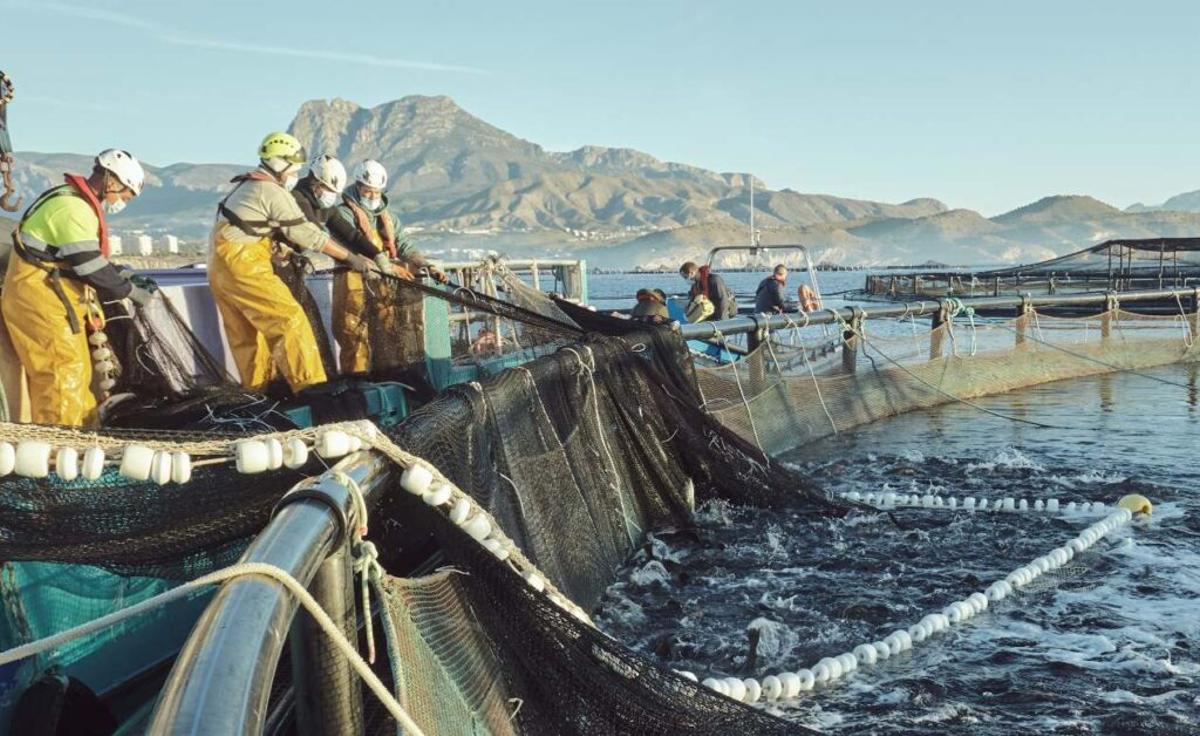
[[371, 173], [329, 171], [124, 166]]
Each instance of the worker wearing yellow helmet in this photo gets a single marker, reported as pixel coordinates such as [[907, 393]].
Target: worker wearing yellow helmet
[[265, 326], [58, 274]]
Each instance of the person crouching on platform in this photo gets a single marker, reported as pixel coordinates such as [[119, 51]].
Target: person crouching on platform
[[364, 209], [651, 307], [59, 273], [264, 324], [770, 297], [712, 287]]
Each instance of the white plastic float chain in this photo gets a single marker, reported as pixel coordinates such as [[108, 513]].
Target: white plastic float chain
[[892, 500], [27, 450], [789, 685]]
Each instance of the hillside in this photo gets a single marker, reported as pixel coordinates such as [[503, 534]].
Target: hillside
[[462, 185]]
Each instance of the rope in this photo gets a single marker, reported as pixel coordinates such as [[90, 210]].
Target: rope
[[1111, 366], [813, 374], [293, 586], [1189, 339], [589, 370], [745, 402], [951, 396]]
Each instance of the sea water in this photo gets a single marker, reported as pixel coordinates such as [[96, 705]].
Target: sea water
[[1107, 644]]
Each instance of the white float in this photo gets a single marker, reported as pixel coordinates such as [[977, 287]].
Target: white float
[[32, 459]]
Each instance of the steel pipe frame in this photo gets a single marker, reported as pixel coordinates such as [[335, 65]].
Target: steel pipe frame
[[758, 322], [221, 682]]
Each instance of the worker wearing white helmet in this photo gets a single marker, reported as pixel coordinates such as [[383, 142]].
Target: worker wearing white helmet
[[264, 324], [320, 193], [59, 270], [365, 210]]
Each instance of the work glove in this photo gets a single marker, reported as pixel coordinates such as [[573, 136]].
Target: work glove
[[360, 264], [144, 282], [123, 271], [141, 296], [383, 262], [437, 275]]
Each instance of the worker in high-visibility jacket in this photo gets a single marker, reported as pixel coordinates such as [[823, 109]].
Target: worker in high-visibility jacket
[[57, 275], [365, 207], [264, 324]]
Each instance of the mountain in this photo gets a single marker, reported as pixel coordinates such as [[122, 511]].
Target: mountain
[[451, 171], [1186, 202], [461, 184]]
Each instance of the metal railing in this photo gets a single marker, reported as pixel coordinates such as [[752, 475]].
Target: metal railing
[[221, 682], [931, 307]]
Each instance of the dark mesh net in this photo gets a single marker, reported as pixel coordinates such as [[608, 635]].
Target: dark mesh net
[[560, 675], [292, 269], [576, 454]]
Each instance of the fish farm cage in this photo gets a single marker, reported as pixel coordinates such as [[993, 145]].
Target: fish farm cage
[[1114, 265], [438, 575]]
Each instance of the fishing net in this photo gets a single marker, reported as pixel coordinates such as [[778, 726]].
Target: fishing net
[[783, 396], [293, 268], [483, 653], [1114, 265]]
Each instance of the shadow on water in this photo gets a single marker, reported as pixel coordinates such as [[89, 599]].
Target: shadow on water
[[1109, 643]]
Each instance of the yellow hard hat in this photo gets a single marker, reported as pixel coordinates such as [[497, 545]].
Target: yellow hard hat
[[282, 146]]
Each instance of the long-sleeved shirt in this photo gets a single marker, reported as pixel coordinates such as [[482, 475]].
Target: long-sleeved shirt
[[404, 250], [267, 210], [770, 297], [343, 231], [63, 228], [723, 300]]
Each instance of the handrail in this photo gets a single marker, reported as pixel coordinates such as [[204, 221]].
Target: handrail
[[758, 322], [221, 681]]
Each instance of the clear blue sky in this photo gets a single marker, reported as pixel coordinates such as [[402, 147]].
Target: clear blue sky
[[983, 105]]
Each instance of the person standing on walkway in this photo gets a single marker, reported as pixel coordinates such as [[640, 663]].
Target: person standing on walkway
[[57, 276], [264, 324]]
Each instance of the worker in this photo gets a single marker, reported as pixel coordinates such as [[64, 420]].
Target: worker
[[319, 195], [264, 324], [8, 199], [770, 297], [7, 91], [650, 308], [809, 301], [712, 287], [364, 208], [57, 277]]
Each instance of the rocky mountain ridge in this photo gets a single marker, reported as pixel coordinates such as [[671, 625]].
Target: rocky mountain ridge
[[460, 183]]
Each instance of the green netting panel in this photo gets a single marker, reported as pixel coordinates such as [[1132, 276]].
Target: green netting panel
[[445, 672], [772, 399]]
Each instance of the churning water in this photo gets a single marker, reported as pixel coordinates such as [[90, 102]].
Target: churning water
[[1109, 643]]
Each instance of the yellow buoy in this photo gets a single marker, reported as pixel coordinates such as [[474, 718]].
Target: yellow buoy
[[1137, 504]]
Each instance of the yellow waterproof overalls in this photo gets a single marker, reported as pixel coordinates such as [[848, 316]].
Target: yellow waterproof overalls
[[350, 323], [264, 324], [45, 309]]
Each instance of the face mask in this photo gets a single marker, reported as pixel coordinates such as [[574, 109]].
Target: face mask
[[372, 203], [112, 208], [290, 182], [327, 199]]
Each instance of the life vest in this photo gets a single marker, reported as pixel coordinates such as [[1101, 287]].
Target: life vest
[[808, 299], [75, 185], [701, 285], [256, 228], [383, 236]]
